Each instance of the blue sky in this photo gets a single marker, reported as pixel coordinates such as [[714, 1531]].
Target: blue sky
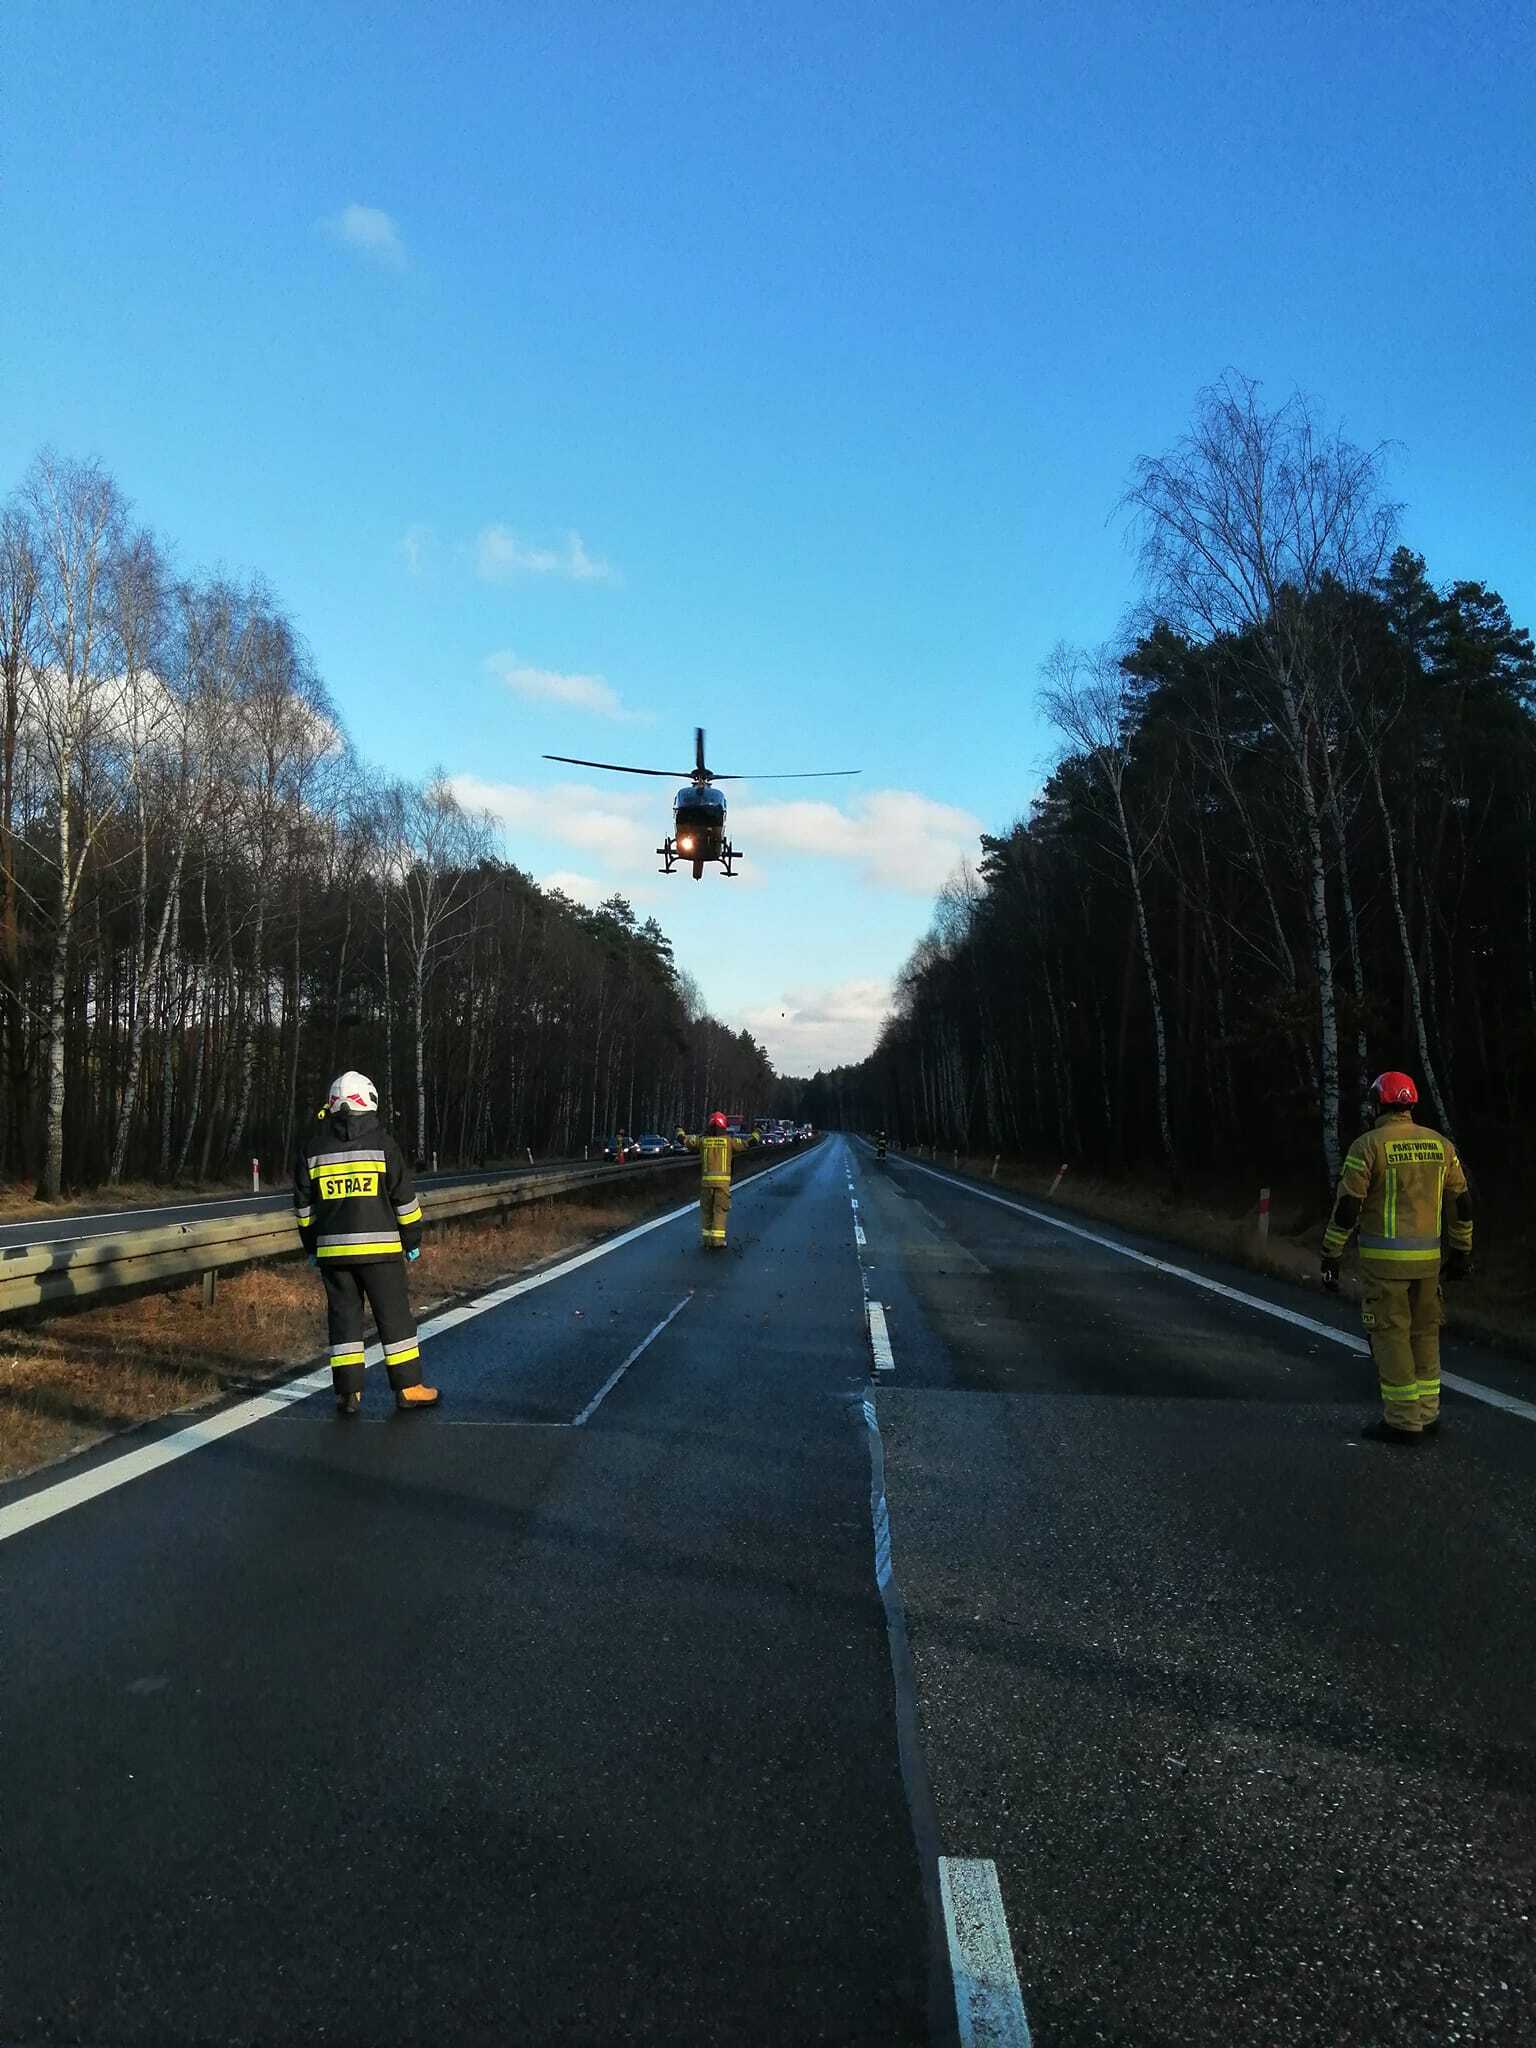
[[776, 367]]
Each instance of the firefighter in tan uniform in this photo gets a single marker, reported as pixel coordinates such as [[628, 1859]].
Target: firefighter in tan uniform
[[716, 1149], [1394, 1189], [355, 1203]]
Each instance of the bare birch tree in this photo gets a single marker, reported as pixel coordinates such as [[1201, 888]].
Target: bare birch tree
[[1246, 521]]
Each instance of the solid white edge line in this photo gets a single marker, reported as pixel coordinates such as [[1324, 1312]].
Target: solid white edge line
[[880, 1338], [989, 2007], [81, 1487], [1473, 1389], [618, 1373]]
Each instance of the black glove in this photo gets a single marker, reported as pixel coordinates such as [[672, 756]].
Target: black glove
[[1330, 1274], [1459, 1266]]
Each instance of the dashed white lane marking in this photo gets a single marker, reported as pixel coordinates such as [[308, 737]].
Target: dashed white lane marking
[[1473, 1389], [988, 2004], [618, 1373], [880, 1338], [81, 1487], [858, 1236]]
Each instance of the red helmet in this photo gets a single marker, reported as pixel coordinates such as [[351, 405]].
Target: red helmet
[[718, 1123], [1395, 1091]]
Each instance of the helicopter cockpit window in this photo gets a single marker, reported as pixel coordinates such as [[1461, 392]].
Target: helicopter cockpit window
[[696, 798]]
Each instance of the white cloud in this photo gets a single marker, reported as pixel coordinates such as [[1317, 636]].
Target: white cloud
[[501, 555], [898, 838], [580, 888], [550, 686], [827, 1026], [618, 828], [371, 231], [415, 546]]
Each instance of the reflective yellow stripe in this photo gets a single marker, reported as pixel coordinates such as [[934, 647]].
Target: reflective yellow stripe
[[1378, 1258], [411, 1215], [1356, 1161], [339, 1358], [357, 1251], [1334, 1241], [402, 1357]]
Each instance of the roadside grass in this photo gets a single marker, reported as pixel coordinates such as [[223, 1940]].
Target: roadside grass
[[19, 1203], [69, 1380], [1498, 1307]]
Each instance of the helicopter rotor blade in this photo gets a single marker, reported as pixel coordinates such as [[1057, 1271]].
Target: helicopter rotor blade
[[698, 751], [619, 768], [809, 775]]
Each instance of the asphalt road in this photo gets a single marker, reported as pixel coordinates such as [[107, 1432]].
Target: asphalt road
[[107, 1221], [573, 1712]]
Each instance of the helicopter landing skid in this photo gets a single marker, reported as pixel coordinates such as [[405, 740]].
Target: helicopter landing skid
[[727, 857]]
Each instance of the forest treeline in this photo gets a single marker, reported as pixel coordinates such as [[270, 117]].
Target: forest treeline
[[1291, 841], [209, 904]]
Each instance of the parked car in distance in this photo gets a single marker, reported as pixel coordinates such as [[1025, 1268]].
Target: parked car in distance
[[652, 1145]]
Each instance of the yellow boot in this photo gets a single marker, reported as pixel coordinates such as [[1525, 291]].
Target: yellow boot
[[409, 1398]]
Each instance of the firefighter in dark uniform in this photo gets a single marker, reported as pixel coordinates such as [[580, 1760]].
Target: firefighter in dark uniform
[[1398, 1182], [716, 1148], [355, 1201]]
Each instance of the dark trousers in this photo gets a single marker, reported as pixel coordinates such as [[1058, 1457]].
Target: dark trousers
[[382, 1282]]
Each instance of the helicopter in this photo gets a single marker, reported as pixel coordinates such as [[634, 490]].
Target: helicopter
[[698, 809]]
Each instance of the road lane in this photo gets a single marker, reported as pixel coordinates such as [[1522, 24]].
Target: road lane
[[1239, 1705], [487, 1732]]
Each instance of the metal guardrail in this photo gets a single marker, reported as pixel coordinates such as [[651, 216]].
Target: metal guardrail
[[80, 1269]]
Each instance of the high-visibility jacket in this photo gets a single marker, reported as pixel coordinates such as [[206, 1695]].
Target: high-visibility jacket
[[716, 1149], [1393, 1188], [354, 1197]]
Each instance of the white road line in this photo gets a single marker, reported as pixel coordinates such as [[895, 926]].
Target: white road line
[[1473, 1389], [988, 2004], [880, 1338], [858, 1236], [81, 1487], [614, 1377]]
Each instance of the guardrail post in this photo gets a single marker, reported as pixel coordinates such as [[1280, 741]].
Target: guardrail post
[[434, 1162], [210, 1287]]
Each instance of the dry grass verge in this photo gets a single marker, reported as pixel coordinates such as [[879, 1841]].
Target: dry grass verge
[[1497, 1308], [19, 1203], [69, 1381]]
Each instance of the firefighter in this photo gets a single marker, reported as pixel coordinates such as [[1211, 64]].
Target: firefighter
[[359, 1219], [1393, 1189], [880, 1144], [716, 1149]]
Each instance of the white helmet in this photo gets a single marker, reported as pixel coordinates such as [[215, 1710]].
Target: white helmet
[[352, 1091]]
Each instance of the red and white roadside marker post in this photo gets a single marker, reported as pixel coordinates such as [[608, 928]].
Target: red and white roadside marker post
[[1263, 1216], [255, 1176], [1060, 1176]]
